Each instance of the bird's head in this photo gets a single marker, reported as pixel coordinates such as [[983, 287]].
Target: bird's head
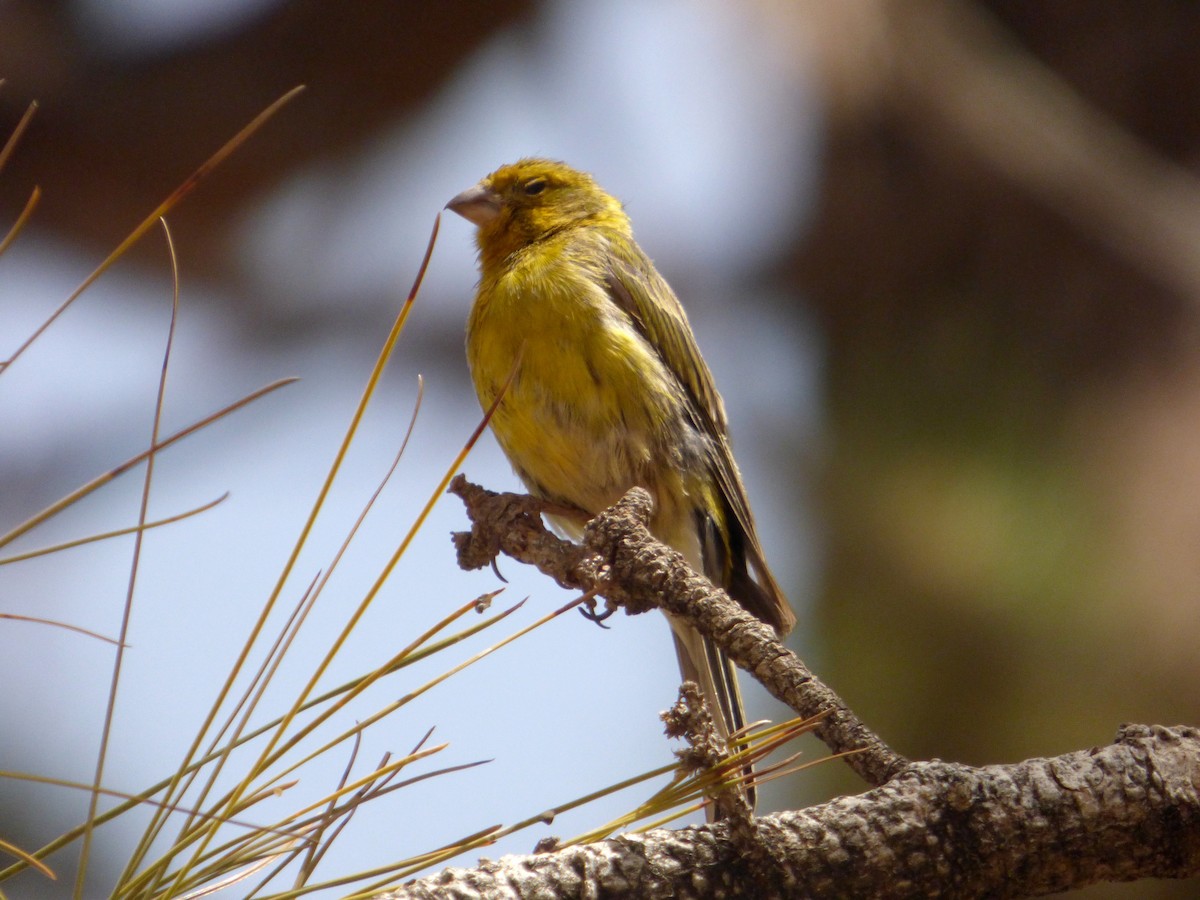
[[528, 200]]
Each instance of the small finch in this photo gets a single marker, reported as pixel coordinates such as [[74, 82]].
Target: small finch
[[609, 390]]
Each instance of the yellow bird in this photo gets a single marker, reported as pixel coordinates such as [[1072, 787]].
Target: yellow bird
[[609, 389]]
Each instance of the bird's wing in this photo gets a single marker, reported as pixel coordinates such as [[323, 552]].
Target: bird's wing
[[636, 287]]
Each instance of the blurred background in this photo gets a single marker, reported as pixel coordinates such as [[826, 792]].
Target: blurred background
[[942, 256]]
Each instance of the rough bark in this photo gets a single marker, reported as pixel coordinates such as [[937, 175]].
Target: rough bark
[[929, 829], [621, 561], [1122, 812]]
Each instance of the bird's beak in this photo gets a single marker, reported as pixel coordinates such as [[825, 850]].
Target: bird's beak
[[479, 204]]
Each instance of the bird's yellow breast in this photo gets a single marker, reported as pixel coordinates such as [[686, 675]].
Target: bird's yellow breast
[[591, 409]]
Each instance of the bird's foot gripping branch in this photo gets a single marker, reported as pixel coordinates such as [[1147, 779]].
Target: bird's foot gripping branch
[[622, 562]]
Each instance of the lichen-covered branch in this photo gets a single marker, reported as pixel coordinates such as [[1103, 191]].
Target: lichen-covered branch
[[626, 565], [1126, 811], [1122, 812]]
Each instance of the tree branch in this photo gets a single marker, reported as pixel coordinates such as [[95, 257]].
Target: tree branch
[[626, 565], [1122, 812], [1126, 811]]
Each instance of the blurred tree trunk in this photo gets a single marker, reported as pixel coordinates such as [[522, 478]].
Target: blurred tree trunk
[[1005, 264]]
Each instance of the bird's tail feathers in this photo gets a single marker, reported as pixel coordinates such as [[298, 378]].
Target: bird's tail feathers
[[702, 661]]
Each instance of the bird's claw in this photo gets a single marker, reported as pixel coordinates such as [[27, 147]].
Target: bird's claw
[[588, 611]]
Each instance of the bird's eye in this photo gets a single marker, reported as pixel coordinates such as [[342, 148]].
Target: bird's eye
[[535, 186]]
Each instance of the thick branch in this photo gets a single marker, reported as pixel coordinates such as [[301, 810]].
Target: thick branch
[[626, 565], [1129, 810]]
